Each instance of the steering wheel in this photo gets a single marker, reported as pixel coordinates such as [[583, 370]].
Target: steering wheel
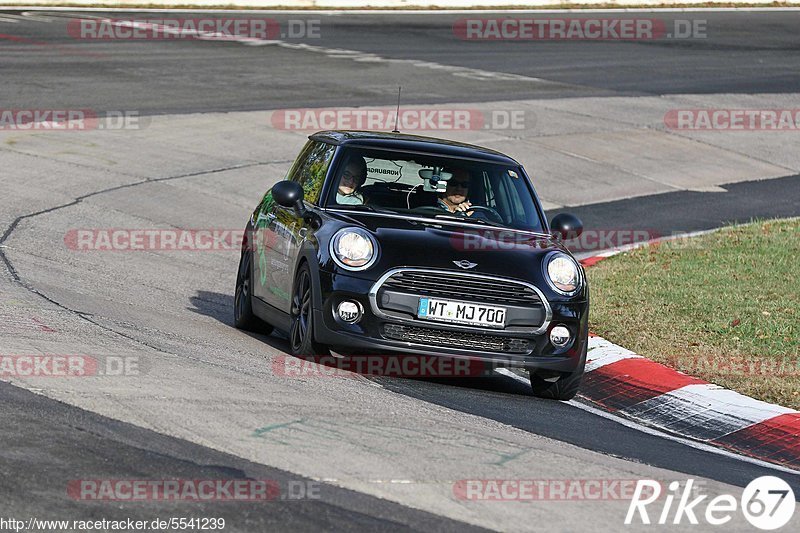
[[488, 210]]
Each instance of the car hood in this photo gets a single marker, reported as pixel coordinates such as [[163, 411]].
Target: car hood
[[439, 244]]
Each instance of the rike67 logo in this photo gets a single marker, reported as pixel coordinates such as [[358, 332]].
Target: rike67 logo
[[767, 502]]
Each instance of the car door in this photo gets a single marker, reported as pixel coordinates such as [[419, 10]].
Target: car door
[[280, 232]]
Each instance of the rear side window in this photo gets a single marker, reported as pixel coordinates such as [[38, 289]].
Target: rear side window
[[310, 169]]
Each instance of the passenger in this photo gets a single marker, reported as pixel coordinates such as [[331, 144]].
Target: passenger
[[352, 178]]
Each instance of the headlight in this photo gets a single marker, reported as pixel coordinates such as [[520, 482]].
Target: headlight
[[353, 249], [563, 273]]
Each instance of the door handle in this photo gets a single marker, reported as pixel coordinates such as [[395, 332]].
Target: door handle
[[269, 217]]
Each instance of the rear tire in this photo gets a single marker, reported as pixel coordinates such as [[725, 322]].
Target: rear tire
[[243, 317], [301, 332]]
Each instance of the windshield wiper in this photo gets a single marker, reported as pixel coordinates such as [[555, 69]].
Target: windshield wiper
[[469, 220], [363, 207]]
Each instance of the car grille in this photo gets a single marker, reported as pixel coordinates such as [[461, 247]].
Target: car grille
[[457, 339], [459, 287]]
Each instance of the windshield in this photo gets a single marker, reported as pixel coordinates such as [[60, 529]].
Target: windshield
[[434, 187]]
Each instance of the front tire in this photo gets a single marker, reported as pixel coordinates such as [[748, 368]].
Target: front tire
[[243, 317], [301, 332], [565, 388]]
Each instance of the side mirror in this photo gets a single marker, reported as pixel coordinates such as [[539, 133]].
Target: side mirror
[[289, 194], [567, 226]]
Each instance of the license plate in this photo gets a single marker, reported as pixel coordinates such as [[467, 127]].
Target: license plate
[[461, 313]]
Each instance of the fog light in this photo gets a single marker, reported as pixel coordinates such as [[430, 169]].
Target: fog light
[[559, 336], [350, 311]]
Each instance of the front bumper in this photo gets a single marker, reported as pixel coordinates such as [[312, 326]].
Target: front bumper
[[379, 335]]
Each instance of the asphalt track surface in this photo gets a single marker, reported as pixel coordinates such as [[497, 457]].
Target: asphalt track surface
[[48, 442], [687, 211], [751, 53]]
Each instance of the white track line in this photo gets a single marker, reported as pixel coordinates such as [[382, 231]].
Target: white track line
[[405, 11], [39, 18], [657, 433], [367, 57], [334, 53]]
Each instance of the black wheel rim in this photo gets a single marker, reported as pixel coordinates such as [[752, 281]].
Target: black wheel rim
[[301, 311], [241, 298]]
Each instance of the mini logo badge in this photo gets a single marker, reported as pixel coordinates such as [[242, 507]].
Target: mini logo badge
[[466, 265]]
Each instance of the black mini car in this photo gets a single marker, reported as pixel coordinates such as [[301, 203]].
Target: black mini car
[[390, 243]]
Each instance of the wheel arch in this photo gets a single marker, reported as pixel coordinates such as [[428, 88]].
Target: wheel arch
[[309, 256]]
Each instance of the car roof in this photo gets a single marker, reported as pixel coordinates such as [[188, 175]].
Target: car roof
[[410, 143]]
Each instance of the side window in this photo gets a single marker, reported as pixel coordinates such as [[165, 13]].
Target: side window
[[310, 169], [513, 200]]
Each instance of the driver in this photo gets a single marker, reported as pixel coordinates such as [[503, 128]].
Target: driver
[[454, 199], [352, 178]]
